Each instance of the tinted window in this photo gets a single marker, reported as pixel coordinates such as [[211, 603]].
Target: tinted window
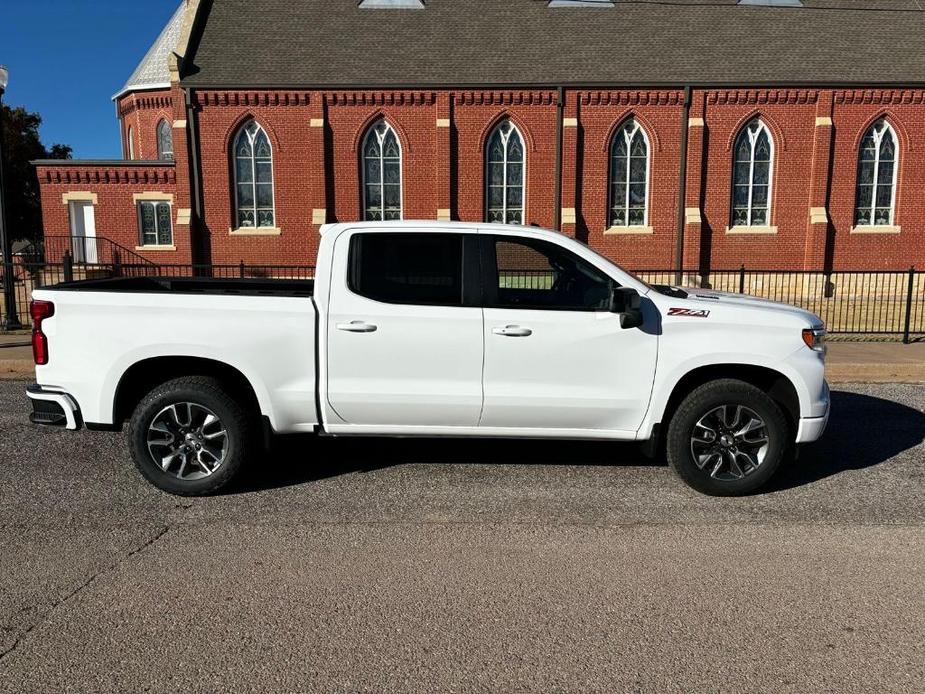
[[537, 274], [407, 268]]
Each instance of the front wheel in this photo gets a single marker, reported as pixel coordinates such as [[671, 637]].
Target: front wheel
[[727, 438], [189, 436]]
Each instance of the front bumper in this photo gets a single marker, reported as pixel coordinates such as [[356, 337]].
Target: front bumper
[[51, 407], [811, 429]]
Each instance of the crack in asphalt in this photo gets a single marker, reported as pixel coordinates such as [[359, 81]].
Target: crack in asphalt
[[80, 588]]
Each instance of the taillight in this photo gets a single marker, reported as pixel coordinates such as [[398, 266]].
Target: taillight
[[40, 310]]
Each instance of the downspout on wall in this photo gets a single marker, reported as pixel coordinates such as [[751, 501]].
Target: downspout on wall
[[682, 188], [557, 195], [201, 253]]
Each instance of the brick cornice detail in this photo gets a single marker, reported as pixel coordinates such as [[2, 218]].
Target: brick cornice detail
[[880, 96], [763, 96], [141, 102], [631, 98], [383, 98], [252, 98], [106, 175], [504, 98]]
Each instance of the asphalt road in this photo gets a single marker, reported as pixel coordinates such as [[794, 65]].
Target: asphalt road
[[422, 566]]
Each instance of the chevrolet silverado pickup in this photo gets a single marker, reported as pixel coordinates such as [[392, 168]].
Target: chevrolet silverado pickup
[[431, 329]]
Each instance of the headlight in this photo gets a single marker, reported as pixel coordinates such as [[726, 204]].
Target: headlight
[[815, 339]]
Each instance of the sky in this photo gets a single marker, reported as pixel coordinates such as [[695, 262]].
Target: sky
[[67, 58]]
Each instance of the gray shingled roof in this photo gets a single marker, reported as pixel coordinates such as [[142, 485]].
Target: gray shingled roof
[[312, 43], [152, 71]]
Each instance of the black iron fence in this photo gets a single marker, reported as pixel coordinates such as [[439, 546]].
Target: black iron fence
[[887, 303]]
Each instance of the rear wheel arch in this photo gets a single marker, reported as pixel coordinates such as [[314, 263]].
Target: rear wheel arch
[[143, 376]]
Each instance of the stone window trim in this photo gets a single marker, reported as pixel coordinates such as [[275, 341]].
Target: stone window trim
[[253, 174], [79, 196], [621, 207], [513, 152], [752, 175], [163, 239]]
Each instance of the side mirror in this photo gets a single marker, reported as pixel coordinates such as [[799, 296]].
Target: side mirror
[[626, 302]]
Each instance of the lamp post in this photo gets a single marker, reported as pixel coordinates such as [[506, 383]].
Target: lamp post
[[11, 321]]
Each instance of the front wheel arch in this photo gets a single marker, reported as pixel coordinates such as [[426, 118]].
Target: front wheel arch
[[778, 386]]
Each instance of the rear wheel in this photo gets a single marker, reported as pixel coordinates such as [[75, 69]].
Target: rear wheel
[[727, 438], [189, 436]]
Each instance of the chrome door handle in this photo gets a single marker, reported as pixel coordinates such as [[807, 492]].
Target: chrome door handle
[[357, 326], [512, 331]]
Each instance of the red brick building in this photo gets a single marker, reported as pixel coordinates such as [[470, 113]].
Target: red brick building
[[707, 134]]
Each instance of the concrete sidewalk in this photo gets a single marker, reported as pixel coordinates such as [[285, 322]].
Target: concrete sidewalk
[[848, 362]]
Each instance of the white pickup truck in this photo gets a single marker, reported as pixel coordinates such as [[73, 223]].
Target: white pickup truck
[[431, 329]]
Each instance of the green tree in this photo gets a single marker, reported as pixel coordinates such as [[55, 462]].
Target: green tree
[[21, 145]]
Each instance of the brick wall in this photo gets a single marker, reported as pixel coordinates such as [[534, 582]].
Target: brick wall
[[111, 190], [317, 136], [141, 112]]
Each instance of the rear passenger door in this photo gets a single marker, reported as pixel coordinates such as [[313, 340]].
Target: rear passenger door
[[405, 329]]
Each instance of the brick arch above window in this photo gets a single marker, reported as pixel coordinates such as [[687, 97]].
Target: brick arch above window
[[780, 142], [499, 118], [378, 115], [232, 132], [647, 127], [904, 143]]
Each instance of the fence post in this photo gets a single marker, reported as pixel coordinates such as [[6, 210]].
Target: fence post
[[908, 305], [68, 261], [242, 269], [742, 279]]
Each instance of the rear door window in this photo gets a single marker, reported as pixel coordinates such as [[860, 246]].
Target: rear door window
[[407, 268]]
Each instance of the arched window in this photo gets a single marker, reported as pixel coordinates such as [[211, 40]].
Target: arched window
[[751, 176], [629, 176], [504, 175], [878, 163], [130, 148], [381, 173], [164, 140], [253, 177]]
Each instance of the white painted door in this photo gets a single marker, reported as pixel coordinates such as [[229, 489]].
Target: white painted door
[[555, 357], [83, 232], [404, 349]]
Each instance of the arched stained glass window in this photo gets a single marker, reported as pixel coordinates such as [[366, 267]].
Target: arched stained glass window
[[878, 163], [629, 176], [164, 141], [381, 173], [751, 176], [504, 175], [253, 178]]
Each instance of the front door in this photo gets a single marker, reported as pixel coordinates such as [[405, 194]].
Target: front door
[[83, 232], [555, 356], [404, 340]]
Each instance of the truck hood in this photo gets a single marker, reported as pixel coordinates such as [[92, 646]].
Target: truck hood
[[704, 298]]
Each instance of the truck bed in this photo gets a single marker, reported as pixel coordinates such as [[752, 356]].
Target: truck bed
[[193, 285]]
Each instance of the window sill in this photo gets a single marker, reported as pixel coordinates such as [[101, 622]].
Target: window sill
[[155, 248], [256, 231], [765, 230], [876, 229], [629, 230]]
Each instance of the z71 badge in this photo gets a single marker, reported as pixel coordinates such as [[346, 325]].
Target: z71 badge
[[688, 312]]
